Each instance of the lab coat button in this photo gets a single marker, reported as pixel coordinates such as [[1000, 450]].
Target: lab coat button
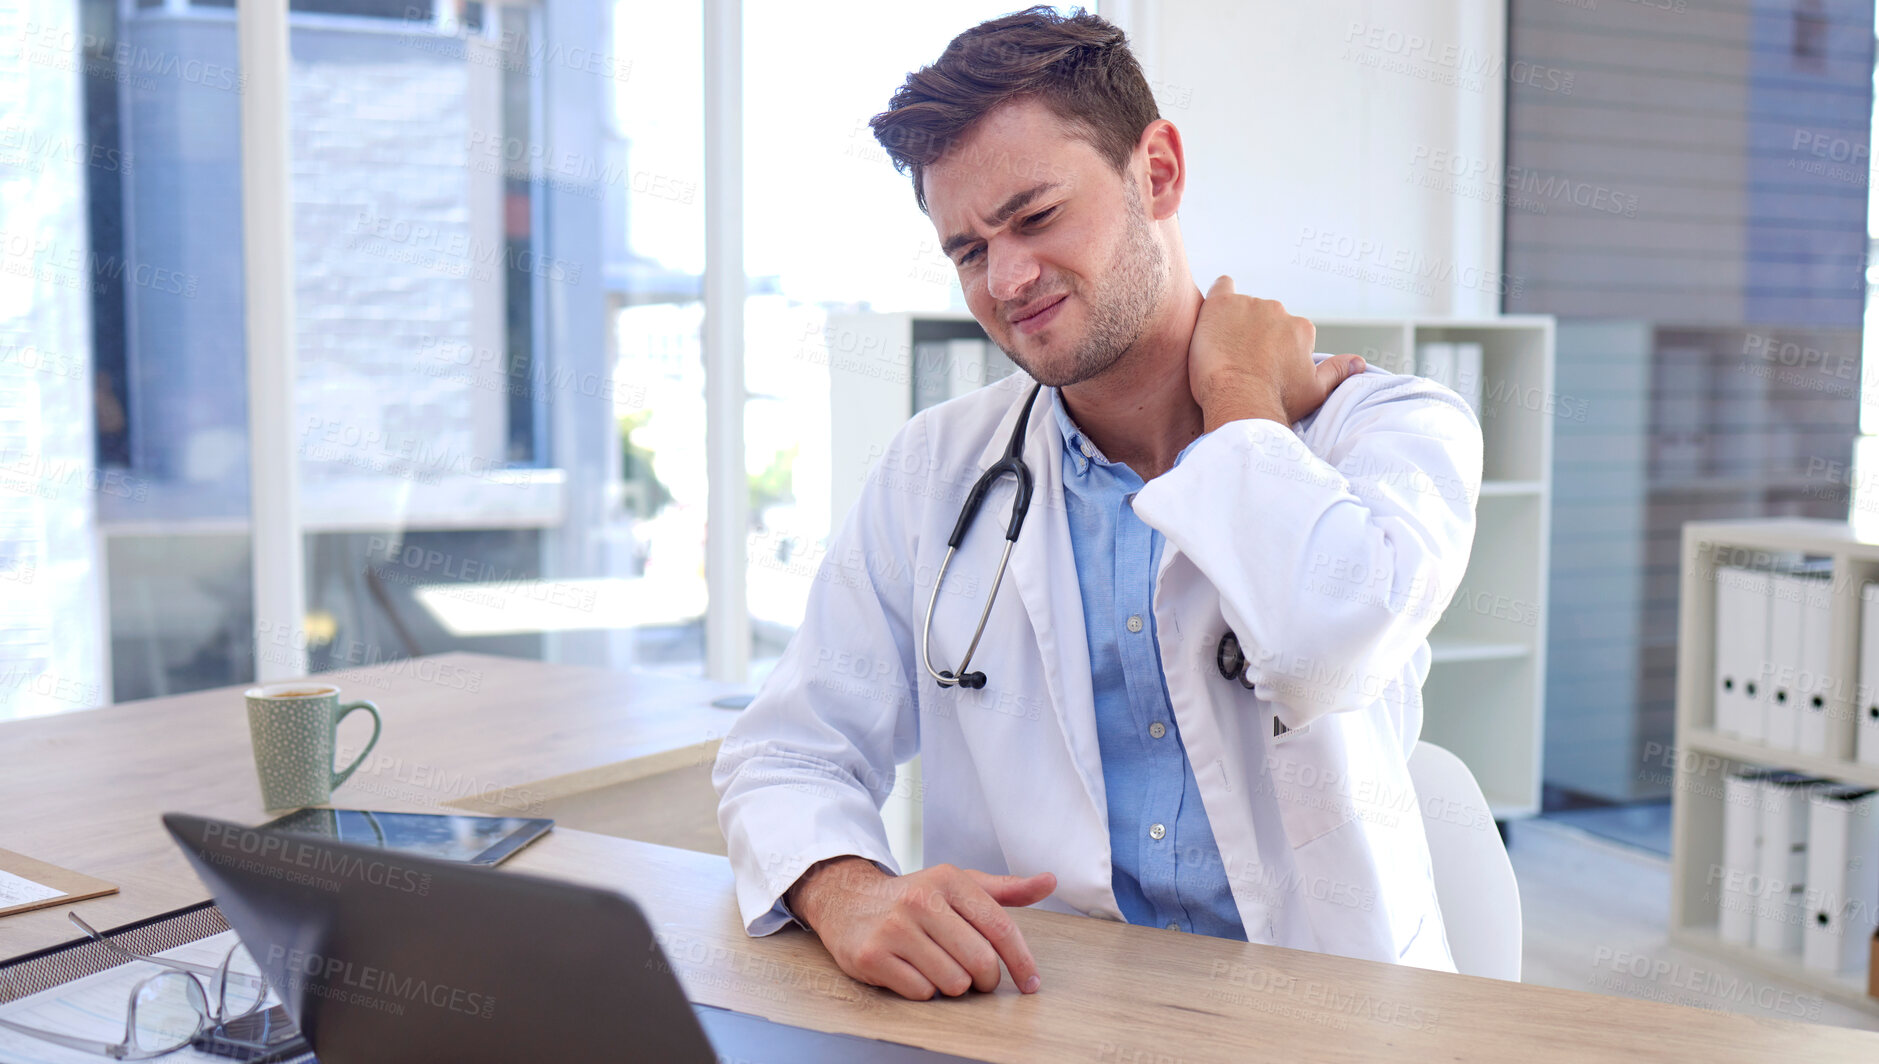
[[1157, 729], [1135, 623], [1157, 831]]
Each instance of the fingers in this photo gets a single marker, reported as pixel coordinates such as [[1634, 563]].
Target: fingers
[[1336, 370], [942, 932], [936, 963], [1014, 890], [989, 918], [1223, 286], [967, 947], [897, 975]]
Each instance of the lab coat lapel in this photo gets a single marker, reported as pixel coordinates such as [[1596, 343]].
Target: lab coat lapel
[[1043, 568]]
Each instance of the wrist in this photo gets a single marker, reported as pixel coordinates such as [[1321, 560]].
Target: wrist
[[1214, 415], [802, 897], [1238, 400]]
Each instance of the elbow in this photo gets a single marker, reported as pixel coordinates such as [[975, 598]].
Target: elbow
[[1340, 660], [1299, 700]]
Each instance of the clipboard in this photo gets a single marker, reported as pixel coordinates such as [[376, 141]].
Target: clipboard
[[73, 886]]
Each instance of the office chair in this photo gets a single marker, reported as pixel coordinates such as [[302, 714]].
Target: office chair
[[1474, 880]]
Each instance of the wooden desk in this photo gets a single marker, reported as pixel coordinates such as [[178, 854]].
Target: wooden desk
[[462, 732], [84, 790]]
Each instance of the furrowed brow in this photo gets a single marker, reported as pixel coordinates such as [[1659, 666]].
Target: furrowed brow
[[999, 217]]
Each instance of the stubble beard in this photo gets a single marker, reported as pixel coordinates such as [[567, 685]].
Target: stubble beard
[[1120, 305]]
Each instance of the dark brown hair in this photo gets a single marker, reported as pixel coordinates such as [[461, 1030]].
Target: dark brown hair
[[1079, 66]]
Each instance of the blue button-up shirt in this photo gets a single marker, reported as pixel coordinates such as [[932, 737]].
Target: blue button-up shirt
[[1166, 866]]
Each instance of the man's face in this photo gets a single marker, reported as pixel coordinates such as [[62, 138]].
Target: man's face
[[1054, 249]]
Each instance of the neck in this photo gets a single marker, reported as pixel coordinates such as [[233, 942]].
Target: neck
[[1140, 411]]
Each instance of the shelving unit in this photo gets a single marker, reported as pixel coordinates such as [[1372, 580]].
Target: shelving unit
[[1484, 698], [1702, 757], [1487, 677]]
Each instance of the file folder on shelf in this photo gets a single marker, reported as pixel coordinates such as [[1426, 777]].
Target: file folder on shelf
[[1741, 857], [1822, 728], [1781, 862], [1741, 650], [1786, 611], [1842, 877], [1866, 711]]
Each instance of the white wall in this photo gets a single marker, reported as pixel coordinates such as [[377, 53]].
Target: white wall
[[1318, 136]]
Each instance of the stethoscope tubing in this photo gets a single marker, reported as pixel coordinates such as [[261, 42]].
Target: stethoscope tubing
[[1228, 657], [1011, 464]]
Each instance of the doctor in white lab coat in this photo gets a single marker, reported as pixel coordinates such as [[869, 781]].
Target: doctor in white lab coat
[[1324, 516]]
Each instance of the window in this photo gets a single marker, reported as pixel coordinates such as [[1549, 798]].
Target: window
[[1699, 227], [500, 391]]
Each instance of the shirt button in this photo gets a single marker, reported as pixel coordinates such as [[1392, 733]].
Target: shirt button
[[1176, 926], [1157, 729], [1088, 451], [1135, 623], [1157, 831]]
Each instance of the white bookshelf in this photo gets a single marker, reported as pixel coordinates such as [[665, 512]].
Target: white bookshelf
[[1487, 677], [1484, 698], [1703, 757]]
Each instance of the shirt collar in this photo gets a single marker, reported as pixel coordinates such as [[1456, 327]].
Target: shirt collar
[[1078, 446]]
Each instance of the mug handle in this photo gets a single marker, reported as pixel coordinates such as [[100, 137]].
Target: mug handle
[[345, 711]]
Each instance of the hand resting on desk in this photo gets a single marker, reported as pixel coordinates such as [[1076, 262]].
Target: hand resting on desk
[[939, 929]]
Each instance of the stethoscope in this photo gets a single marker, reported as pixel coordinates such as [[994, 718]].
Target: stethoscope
[[1228, 657], [1012, 463]]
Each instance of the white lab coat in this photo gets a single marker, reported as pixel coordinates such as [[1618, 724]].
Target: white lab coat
[[1329, 547]]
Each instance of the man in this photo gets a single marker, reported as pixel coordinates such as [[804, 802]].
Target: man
[[1201, 481]]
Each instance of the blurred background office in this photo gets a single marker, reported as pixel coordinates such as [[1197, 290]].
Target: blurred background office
[[500, 375]]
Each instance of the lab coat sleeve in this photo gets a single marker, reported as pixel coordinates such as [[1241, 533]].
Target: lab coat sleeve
[[1332, 561], [802, 774]]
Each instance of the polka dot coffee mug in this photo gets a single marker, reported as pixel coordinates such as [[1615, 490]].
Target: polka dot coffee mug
[[293, 727]]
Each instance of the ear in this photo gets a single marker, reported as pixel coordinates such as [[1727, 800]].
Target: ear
[[1160, 147]]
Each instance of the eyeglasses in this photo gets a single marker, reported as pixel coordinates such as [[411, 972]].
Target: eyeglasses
[[166, 1011]]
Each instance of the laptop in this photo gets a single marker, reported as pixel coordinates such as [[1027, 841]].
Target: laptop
[[385, 956]]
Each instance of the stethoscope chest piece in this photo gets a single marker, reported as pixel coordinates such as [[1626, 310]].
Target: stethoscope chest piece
[[1231, 660]]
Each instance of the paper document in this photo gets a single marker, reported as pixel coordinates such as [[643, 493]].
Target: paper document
[[94, 1007], [18, 890]]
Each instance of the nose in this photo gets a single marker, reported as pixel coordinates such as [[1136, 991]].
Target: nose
[[1008, 269]]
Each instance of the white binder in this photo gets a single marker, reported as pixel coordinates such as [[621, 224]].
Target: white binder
[[1468, 369], [1866, 712], [1781, 863], [1823, 727], [1842, 877], [1741, 646], [1741, 845], [1456, 365], [1781, 711], [1435, 360]]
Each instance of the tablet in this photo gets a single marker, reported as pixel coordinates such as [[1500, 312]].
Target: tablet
[[481, 840]]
